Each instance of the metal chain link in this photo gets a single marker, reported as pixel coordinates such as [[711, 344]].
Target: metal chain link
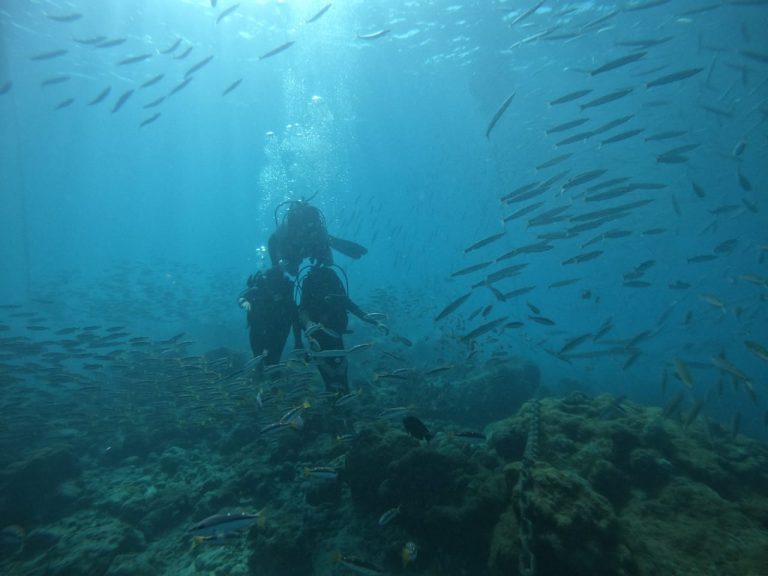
[[527, 560]]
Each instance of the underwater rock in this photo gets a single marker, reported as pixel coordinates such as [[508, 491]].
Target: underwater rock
[[29, 488], [642, 492], [480, 399], [575, 529], [85, 543]]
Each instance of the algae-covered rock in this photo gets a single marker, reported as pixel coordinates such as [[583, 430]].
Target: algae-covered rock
[[29, 488]]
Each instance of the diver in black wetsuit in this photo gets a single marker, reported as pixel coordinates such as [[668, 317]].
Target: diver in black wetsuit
[[302, 234], [323, 314], [272, 313]]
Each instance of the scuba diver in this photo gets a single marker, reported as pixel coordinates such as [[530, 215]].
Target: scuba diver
[[302, 234], [323, 314], [272, 313]]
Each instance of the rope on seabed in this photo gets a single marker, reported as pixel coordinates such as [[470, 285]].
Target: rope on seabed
[[527, 561]]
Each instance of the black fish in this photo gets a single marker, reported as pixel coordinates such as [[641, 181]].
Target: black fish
[[154, 103], [277, 50], [65, 103], [48, 55], [317, 16], [606, 99], [498, 114], [180, 85], [184, 54], [613, 64], [674, 77], [452, 307], [373, 35], [89, 41], [172, 48], [152, 81], [110, 43], [570, 96], [54, 80], [197, 66], [150, 120], [227, 12], [134, 59], [122, 100], [231, 87], [103, 94], [65, 17], [416, 428]]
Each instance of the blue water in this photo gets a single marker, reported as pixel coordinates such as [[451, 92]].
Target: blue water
[[158, 226]]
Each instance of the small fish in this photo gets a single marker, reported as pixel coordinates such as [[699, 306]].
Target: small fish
[[674, 77], [472, 268], [184, 54], [55, 80], [416, 428], [122, 100], [702, 258], [221, 524], [345, 399], [172, 48], [90, 41], [570, 97], [585, 257], [227, 12], [319, 14], [682, 372], [198, 66], [48, 55], [6, 87], [567, 125], [152, 81], [373, 35], [484, 242], [617, 63], [438, 369], [452, 307], [666, 135], [757, 349], [756, 56], [611, 97], [358, 565], [321, 472], [395, 412], [574, 342], [277, 50], [622, 136], [232, 86], [498, 114], [553, 161], [389, 515], [134, 59], [523, 15], [744, 182], [483, 329], [65, 17], [181, 85], [155, 102], [542, 320], [65, 103], [149, 120], [111, 43]]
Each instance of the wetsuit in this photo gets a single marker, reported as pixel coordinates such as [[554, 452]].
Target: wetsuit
[[272, 313], [323, 315]]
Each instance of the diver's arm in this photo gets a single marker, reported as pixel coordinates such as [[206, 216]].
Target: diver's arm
[[366, 317]]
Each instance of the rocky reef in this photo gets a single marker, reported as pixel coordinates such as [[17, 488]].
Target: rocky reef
[[616, 488]]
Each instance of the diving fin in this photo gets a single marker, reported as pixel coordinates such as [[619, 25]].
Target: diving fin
[[347, 247]]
